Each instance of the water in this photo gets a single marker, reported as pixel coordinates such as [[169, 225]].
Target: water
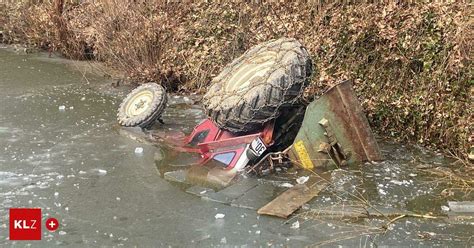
[[76, 164]]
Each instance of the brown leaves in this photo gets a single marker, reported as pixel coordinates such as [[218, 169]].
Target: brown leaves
[[410, 62]]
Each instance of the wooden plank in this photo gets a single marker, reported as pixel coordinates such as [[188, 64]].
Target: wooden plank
[[292, 199]]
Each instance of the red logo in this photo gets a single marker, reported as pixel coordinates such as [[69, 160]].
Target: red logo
[[52, 224], [25, 224]]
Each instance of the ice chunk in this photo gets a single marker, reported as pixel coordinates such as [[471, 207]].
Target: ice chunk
[[445, 208], [302, 180], [397, 182], [461, 207], [139, 150], [295, 225], [286, 185], [219, 216]]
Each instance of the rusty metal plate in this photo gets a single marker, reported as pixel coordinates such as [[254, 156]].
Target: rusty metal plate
[[335, 131]]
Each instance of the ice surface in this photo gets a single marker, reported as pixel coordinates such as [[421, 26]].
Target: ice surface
[[286, 185], [302, 180], [139, 150], [295, 225], [219, 216]]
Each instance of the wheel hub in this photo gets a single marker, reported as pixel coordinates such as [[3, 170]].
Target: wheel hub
[[139, 103]]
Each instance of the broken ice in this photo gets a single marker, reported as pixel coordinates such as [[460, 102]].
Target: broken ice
[[302, 180], [295, 225], [286, 185], [139, 150], [445, 208], [219, 216]]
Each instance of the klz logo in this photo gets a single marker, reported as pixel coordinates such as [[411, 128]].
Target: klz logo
[[25, 224]]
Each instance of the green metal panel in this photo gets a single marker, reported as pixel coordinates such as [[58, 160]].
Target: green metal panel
[[335, 131]]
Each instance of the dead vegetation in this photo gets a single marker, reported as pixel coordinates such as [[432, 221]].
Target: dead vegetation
[[411, 62], [457, 182]]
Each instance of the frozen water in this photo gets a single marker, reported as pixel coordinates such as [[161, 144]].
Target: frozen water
[[139, 150], [286, 185], [302, 180], [219, 216], [295, 225]]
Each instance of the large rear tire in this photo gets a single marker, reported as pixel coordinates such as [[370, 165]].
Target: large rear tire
[[258, 85]]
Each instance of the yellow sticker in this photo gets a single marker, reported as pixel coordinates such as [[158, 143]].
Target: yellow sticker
[[303, 155]]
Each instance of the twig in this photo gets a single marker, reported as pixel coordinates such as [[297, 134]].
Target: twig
[[404, 216]]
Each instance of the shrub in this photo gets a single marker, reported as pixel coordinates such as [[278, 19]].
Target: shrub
[[410, 61]]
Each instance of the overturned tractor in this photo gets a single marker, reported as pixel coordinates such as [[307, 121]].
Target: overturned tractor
[[257, 118]]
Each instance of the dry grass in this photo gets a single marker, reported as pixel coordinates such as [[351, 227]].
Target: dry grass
[[411, 62], [458, 181]]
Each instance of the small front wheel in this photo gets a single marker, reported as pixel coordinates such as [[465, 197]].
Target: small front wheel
[[143, 106]]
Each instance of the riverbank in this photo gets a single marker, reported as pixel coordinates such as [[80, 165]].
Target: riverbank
[[65, 153], [410, 62]]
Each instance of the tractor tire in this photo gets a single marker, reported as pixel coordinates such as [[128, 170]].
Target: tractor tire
[[287, 126], [258, 85], [143, 106]]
